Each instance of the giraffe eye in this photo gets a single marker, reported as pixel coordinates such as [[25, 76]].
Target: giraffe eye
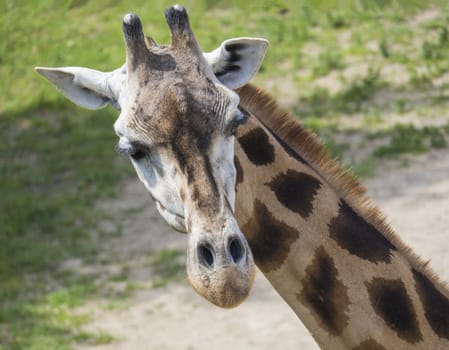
[[136, 151], [240, 118]]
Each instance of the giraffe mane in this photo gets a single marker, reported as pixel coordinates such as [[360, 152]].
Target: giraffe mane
[[306, 144]]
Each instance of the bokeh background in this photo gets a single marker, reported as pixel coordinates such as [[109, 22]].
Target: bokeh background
[[371, 77]]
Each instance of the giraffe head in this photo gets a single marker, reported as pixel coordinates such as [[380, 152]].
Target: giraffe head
[[177, 123]]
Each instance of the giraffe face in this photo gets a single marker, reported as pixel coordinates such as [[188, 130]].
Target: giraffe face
[[177, 124], [178, 116]]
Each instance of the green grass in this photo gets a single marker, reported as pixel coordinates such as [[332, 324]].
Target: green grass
[[58, 33], [50, 178], [410, 139], [57, 160], [51, 174], [327, 61], [357, 94]]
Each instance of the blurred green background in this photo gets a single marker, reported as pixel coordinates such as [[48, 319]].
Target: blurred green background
[[371, 77]]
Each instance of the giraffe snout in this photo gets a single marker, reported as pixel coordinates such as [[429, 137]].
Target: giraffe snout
[[221, 268]]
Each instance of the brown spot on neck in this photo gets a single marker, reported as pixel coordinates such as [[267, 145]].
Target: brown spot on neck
[[435, 304], [324, 294], [391, 302], [358, 237], [269, 238], [257, 147], [296, 191]]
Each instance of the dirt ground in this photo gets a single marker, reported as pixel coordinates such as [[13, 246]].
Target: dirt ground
[[414, 198]]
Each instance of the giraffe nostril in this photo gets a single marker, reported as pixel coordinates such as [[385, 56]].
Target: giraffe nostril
[[236, 249], [206, 255]]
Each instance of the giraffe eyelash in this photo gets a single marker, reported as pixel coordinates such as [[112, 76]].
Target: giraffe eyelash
[[136, 151]]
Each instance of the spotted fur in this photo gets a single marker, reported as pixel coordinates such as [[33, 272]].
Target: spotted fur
[[358, 237], [257, 147], [304, 146], [270, 239], [436, 306], [296, 191], [360, 254], [324, 294], [391, 302]]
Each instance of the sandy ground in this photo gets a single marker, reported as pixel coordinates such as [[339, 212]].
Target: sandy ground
[[415, 199]]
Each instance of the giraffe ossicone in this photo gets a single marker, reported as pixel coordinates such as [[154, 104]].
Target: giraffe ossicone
[[306, 223]]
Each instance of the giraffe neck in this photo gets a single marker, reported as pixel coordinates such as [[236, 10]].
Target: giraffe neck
[[324, 247]]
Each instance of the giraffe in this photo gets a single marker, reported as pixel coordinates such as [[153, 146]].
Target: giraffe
[[253, 168]]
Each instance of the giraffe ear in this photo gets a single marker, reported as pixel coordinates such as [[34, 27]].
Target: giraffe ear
[[237, 60], [86, 87]]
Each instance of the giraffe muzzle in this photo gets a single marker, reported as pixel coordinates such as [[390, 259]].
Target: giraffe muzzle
[[221, 268]]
